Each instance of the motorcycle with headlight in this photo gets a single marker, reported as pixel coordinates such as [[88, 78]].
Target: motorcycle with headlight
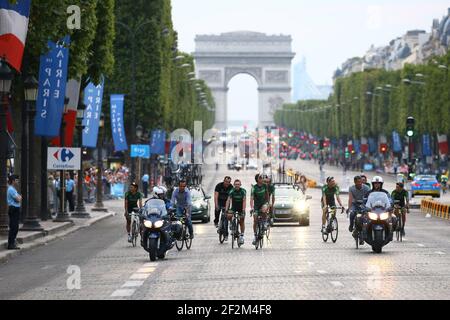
[[378, 223], [157, 231]]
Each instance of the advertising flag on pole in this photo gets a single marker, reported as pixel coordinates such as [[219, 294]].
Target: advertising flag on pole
[[52, 89], [426, 145], [372, 145], [14, 18], [118, 132], [443, 144], [93, 96], [70, 116], [397, 143], [158, 142]]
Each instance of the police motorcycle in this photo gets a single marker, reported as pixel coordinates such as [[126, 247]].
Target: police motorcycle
[[158, 231], [378, 224]]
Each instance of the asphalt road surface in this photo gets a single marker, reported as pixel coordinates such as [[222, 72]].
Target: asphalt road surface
[[98, 263]]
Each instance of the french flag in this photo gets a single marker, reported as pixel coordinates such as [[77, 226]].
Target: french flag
[[14, 20]]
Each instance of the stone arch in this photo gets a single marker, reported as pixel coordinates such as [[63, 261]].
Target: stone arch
[[268, 59]]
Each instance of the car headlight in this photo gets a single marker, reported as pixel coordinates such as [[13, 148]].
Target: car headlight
[[148, 224], [384, 216], [373, 216], [300, 206], [158, 224]]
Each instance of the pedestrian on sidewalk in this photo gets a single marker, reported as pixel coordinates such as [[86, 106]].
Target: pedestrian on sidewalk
[[13, 199], [70, 187]]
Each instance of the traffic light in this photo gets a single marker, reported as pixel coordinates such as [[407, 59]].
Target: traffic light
[[410, 126], [383, 148], [347, 153]]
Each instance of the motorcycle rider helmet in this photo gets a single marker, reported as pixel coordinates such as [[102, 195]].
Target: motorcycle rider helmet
[[377, 179], [158, 192]]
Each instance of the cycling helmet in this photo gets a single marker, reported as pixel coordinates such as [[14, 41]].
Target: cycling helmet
[[164, 189], [257, 177], [329, 179]]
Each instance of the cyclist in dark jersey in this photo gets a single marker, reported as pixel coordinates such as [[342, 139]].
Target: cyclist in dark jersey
[[259, 198], [329, 191], [237, 203], [220, 197], [400, 194], [133, 199]]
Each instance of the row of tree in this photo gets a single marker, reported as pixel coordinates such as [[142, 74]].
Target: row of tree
[[376, 102], [103, 47]]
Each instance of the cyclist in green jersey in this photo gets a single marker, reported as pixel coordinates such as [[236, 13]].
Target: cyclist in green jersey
[[236, 203], [259, 197], [400, 194], [133, 199], [271, 190], [329, 191]]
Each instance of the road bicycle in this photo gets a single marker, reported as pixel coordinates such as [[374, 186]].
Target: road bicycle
[[261, 231], [135, 226], [223, 225], [332, 226], [235, 229], [184, 238], [399, 213]]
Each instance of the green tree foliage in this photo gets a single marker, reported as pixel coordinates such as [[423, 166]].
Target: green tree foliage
[[376, 102]]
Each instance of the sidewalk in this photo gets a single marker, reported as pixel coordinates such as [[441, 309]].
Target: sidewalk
[[55, 230]]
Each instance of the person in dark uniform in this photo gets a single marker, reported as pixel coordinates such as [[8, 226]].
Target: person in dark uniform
[[221, 194], [14, 200]]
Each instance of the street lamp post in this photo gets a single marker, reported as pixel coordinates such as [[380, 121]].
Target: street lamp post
[[6, 77], [62, 215], [80, 210], [31, 222], [99, 190]]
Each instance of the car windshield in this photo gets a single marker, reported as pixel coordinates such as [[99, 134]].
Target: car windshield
[[289, 193], [426, 178], [158, 204], [196, 194]]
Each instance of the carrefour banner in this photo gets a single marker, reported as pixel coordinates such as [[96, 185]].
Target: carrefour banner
[[397, 143], [158, 145], [118, 131], [426, 145], [52, 89], [93, 96]]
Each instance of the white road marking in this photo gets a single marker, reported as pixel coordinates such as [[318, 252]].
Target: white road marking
[[123, 293], [150, 264], [439, 252], [133, 284], [298, 271], [322, 271], [337, 283], [146, 270], [139, 276], [421, 245]]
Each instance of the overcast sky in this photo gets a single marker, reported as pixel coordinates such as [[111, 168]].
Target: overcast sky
[[326, 32]]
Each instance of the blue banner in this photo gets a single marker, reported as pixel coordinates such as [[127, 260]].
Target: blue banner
[[372, 145], [397, 143], [426, 148], [52, 89], [93, 96], [140, 151], [357, 146], [158, 145], [118, 131]]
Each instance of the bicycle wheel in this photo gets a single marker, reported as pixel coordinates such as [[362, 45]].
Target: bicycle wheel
[[268, 231], [221, 230], [233, 233], [258, 236], [238, 234], [325, 235], [357, 240], [399, 232], [188, 242], [334, 229], [180, 241], [134, 234]]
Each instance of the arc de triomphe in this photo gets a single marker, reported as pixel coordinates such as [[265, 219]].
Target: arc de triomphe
[[218, 58]]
